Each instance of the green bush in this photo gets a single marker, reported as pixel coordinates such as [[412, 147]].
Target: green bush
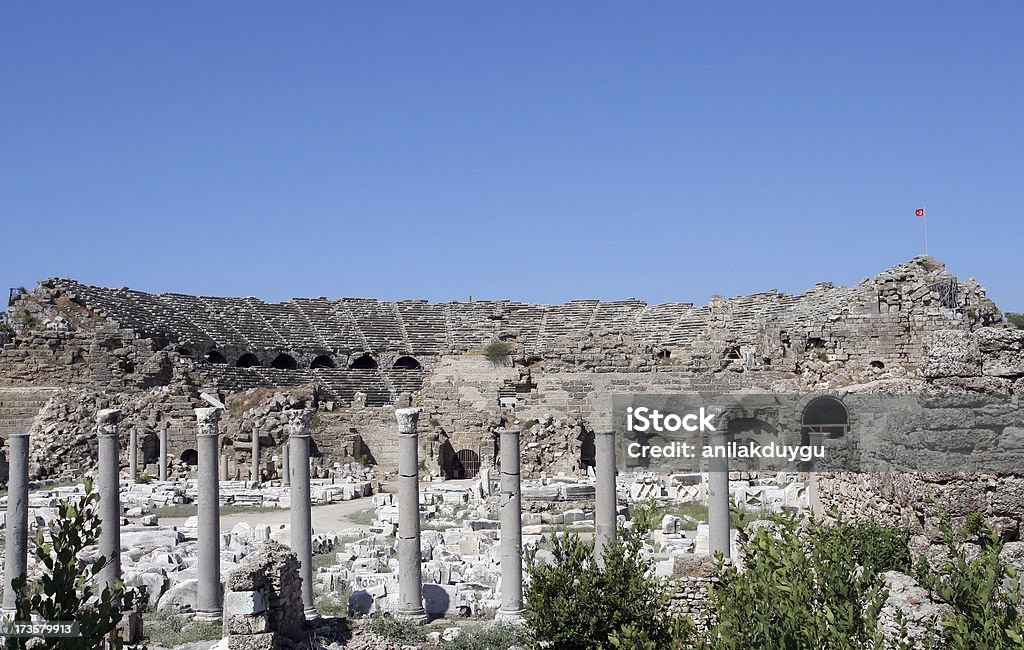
[[405, 632], [67, 591], [497, 636], [1015, 319], [573, 604], [144, 479], [497, 351], [814, 587], [983, 592]]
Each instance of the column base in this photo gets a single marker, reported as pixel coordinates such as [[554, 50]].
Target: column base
[[311, 614], [213, 616], [411, 616], [512, 617]]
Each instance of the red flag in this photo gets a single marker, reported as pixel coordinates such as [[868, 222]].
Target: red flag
[[919, 212]]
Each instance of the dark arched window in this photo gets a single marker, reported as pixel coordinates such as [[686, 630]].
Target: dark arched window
[[215, 357], [322, 361], [284, 362], [407, 363], [247, 360], [825, 415], [190, 457], [365, 362]]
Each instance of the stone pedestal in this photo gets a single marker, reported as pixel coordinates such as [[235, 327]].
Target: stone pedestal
[[163, 452], [208, 599], [301, 517], [605, 501], [16, 533], [410, 577], [511, 529], [108, 482]]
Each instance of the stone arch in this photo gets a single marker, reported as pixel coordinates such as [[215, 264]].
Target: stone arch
[[464, 464], [190, 457], [407, 363], [247, 360], [323, 361], [215, 357], [825, 415], [284, 361], [364, 362]]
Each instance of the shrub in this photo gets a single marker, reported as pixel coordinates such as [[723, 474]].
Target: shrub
[[1015, 319], [144, 479], [497, 351], [983, 592], [815, 587], [573, 604], [405, 632], [66, 591], [497, 636], [28, 323]]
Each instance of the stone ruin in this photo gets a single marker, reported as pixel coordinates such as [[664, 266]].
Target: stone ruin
[[360, 364]]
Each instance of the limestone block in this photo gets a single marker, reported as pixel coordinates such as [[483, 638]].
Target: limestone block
[[180, 599], [243, 612]]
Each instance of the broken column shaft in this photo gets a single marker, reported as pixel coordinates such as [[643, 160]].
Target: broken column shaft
[[301, 516], [255, 472], [16, 541], [133, 454], [718, 499], [208, 600], [511, 528], [410, 577], [605, 501], [163, 452], [108, 482]]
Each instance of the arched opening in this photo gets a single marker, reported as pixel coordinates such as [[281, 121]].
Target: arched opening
[[878, 364], [215, 357], [465, 464], [588, 451], [190, 457], [322, 361], [185, 352], [247, 360], [284, 362], [365, 362], [825, 415], [407, 363]]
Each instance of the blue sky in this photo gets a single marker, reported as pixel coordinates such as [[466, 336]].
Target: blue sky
[[541, 151]]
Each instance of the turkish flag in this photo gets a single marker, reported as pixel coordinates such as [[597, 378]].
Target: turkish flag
[[919, 212]]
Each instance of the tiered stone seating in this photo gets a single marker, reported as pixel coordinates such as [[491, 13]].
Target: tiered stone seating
[[472, 324], [424, 327], [378, 322], [525, 320], [342, 385], [291, 324], [336, 330], [405, 381]]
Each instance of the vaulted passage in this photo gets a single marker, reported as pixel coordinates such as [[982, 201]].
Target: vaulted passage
[[247, 360], [365, 362], [215, 357], [322, 361], [284, 362], [190, 457], [825, 415], [407, 363]]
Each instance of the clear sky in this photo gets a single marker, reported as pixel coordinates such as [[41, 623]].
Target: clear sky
[[541, 151]]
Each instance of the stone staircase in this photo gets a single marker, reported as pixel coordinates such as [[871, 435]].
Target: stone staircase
[[18, 407]]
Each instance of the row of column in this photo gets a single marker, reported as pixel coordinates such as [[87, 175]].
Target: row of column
[[133, 457]]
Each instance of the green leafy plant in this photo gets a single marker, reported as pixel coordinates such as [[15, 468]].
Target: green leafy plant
[[67, 589], [144, 479], [974, 523], [1015, 319], [495, 636], [984, 593], [497, 351], [572, 603], [28, 322], [405, 632]]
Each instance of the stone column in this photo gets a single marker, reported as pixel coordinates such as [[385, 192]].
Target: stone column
[[109, 483], [224, 468], [511, 528], [410, 577], [255, 475], [718, 499], [16, 539], [286, 467], [605, 511], [163, 452], [208, 599], [302, 520], [133, 454]]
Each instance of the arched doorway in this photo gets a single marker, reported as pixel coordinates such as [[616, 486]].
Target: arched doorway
[[364, 362], [825, 415], [190, 457], [215, 357], [247, 360], [284, 362], [407, 363], [322, 361], [465, 464]]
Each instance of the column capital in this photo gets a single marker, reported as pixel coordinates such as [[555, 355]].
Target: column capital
[[106, 422], [509, 431], [298, 422], [207, 420], [407, 419]]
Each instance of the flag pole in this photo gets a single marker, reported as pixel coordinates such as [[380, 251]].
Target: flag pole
[[926, 230]]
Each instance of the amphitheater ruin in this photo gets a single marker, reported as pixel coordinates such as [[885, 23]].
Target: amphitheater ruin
[[472, 429]]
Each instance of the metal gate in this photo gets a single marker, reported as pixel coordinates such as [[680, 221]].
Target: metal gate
[[466, 465]]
